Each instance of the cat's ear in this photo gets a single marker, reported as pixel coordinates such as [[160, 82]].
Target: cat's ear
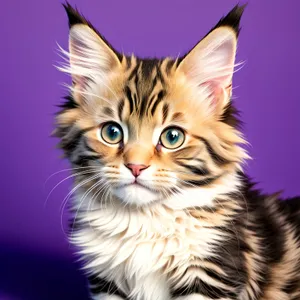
[[210, 64], [91, 57]]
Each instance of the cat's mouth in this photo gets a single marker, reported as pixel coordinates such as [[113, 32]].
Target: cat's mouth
[[136, 183], [136, 192]]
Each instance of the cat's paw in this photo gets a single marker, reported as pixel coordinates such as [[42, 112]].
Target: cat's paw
[[106, 297]]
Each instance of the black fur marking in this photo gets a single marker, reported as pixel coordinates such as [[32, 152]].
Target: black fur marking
[[148, 65], [136, 82], [76, 18], [133, 73], [99, 285], [232, 19], [141, 78], [169, 66], [202, 288], [165, 112], [230, 256], [200, 171], [265, 209], [152, 99], [202, 182], [291, 209], [70, 137], [120, 108], [159, 98], [230, 116], [159, 74], [291, 286], [218, 277], [130, 99], [83, 160], [69, 103], [81, 157], [154, 82], [218, 159]]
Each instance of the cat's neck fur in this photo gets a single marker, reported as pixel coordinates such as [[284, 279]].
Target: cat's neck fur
[[170, 235]]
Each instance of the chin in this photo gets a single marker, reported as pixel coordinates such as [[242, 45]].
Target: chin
[[136, 195]]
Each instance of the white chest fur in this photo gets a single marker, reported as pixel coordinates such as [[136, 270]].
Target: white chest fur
[[144, 251]]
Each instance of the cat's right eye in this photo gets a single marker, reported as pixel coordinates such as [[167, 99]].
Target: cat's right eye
[[111, 133]]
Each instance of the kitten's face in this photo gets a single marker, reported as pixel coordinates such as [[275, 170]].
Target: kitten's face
[[154, 129]]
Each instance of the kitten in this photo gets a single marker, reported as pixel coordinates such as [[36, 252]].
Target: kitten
[[163, 209]]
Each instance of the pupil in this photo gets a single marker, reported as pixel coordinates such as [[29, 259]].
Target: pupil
[[172, 136], [113, 132]]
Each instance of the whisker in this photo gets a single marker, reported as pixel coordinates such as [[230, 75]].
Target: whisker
[[65, 170], [81, 201], [65, 201], [80, 184], [68, 177]]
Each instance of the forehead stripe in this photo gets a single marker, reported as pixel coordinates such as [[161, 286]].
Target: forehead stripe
[[159, 98], [130, 99], [165, 112], [120, 109]]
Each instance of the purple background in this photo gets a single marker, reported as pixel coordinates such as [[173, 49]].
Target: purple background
[[33, 245]]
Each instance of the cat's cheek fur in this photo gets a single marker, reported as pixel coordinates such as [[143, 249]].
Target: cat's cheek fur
[[203, 197]]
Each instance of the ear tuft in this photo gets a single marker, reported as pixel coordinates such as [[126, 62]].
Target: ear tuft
[[74, 16], [210, 64], [232, 19], [91, 59]]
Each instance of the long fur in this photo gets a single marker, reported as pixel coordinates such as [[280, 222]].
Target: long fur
[[191, 226]]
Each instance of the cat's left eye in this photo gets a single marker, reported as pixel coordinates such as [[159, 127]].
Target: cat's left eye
[[172, 138]]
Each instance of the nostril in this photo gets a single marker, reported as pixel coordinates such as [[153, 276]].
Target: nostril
[[136, 169]]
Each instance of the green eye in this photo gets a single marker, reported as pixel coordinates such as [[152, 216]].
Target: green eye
[[112, 133], [172, 138]]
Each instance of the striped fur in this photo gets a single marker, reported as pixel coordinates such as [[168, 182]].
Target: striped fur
[[194, 228]]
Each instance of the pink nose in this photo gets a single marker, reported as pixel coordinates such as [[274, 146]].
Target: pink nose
[[136, 170]]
